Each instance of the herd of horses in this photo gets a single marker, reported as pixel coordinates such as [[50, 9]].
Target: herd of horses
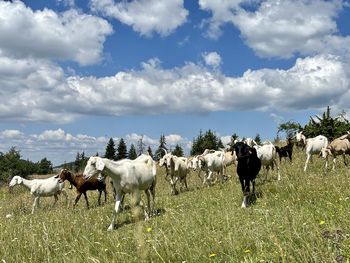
[[135, 176]]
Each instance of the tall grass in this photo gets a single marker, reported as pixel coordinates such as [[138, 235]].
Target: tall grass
[[302, 218]]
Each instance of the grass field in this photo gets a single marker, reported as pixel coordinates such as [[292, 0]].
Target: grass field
[[305, 217]]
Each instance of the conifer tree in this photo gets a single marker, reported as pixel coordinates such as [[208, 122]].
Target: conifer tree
[[132, 155], [140, 146], [257, 138], [122, 151], [149, 150], [178, 151], [110, 150], [162, 145]]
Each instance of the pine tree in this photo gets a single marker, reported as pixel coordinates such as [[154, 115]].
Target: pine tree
[[178, 151], [149, 150], [122, 151], [162, 145], [132, 155], [207, 141], [257, 138], [110, 150], [140, 146]]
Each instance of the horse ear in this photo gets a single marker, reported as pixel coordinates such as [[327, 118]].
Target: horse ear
[[99, 165], [19, 180]]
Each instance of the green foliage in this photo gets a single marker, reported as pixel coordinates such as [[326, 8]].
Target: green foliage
[[132, 155], [289, 128], [110, 150], [207, 141], [302, 218], [122, 151], [162, 145], [178, 151], [257, 138], [326, 125], [11, 164], [44, 166], [79, 163]]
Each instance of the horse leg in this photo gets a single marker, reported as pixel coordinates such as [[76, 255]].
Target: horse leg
[[118, 198], [56, 199], [99, 197], [148, 213], [86, 199], [35, 203], [153, 194], [77, 199], [307, 160]]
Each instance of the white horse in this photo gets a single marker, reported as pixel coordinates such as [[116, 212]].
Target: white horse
[[51, 186], [128, 176]]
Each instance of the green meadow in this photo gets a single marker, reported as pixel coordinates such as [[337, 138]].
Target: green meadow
[[305, 217]]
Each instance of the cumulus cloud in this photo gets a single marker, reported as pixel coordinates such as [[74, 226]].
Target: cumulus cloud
[[225, 139], [39, 90], [60, 146], [11, 134], [57, 145], [145, 16], [135, 138], [174, 139], [281, 28], [212, 59], [69, 35]]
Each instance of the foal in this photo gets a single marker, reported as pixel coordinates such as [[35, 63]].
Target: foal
[[83, 185]]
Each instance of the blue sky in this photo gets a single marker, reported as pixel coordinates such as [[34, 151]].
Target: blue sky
[[75, 73]]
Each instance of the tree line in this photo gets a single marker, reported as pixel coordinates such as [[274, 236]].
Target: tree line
[[11, 163]]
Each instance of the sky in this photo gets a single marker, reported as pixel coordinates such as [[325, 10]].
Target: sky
[[75, 73]]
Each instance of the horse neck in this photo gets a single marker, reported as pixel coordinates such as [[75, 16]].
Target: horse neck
[[27, 183], [111, 166], [71, 179]]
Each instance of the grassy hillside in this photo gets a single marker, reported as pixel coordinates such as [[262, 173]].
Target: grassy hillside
[[302, 218]]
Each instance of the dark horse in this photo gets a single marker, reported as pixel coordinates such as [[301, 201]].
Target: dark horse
[[83, 185]]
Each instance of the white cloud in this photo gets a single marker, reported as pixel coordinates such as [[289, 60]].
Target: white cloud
[[281, 28], [212, 59], [222, 12], [60, 146], [277, 118], [135, 138], [173, 139], [225, 139], [145, 16], [70, 35], [11, 134], [39, 90]]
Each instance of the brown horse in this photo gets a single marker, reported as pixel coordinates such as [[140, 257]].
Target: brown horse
[[83, 185]]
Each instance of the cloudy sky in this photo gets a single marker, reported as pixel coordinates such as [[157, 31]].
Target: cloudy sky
[[75, 73]]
